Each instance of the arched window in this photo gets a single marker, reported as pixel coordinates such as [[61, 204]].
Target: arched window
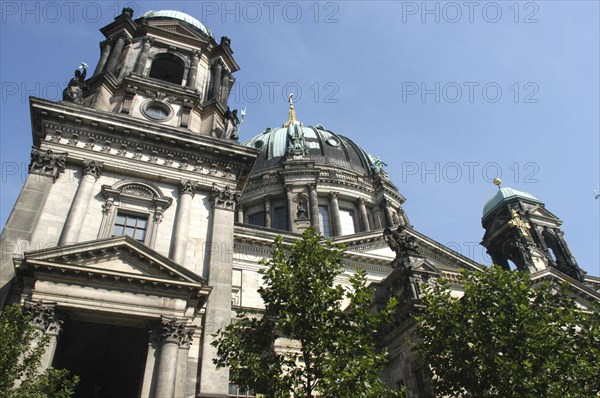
[[167, 67]]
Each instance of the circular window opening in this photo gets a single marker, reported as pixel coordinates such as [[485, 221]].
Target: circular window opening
[[259, 144], [333, 142], [158, 111]]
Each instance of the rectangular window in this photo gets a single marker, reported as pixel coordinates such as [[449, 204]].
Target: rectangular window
[[347, 221], [239, 392], [257, 219], [324, 221], [236, 288], [131, 225], [279, 218]]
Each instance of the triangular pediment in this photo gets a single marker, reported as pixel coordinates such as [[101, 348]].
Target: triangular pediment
[[583, 294], [426, 266], [115, 258], [174, 27]]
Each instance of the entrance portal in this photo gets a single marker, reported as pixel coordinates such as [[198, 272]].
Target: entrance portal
[[109, 359]]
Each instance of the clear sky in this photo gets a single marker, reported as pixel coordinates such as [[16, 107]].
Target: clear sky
[[448, 94]]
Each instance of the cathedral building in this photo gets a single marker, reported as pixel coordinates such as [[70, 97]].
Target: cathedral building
[[140, 227]]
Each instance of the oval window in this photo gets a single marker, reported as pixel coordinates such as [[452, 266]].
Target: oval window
[[156, 110]]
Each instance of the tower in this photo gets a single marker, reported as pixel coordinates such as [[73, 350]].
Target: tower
[[124, 227], [519, 229]]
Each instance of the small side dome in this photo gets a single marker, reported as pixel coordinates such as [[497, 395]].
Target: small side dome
[[503, 195], [180, 16]]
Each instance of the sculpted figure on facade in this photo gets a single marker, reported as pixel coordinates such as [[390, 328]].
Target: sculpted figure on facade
[[224, 197], [301, 212], [400, 242], [74, 90], [231, 124], [47, 163]]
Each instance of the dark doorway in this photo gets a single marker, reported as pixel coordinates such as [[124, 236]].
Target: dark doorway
[[109, 359]]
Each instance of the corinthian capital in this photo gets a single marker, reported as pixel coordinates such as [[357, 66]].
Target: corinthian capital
[[42, 316], [93, 168], [187, 187], [175, 331]]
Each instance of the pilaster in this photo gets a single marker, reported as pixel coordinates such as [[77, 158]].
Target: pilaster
[[44, 319], [45, 168], [219, 269]]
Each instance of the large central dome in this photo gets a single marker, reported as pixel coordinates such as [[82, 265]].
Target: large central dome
[[324, 147], [310, 176]]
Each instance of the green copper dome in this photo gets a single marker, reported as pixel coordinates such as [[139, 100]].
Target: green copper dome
[[323, 147], [503, 195], [180, 16]]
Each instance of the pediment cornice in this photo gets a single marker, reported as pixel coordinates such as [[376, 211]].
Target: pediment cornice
[[138, 264]]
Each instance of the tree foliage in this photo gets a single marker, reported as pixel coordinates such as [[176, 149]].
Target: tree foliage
[[508, 338], [335, 353], [20, 360]]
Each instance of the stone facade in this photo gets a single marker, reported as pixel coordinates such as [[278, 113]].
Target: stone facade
[[140, 227]]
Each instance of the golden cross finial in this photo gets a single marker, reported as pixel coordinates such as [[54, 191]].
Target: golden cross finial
[[291, 112], [516, 222]]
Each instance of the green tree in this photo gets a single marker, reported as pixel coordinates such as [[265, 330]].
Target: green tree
[[20, 360], [508, 338], [335, 353]]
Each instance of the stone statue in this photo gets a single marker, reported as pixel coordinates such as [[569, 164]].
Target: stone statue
[[400, 242], [377, 165], [47, 162], [297, 145], [232, 122], [301, 210], [74, 90]]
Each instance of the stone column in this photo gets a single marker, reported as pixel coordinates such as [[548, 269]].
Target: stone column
[[377, 218], [389, 221], [193, 71], [216, 86], [240, 214], [143, 58], [289, 195], [91, 172], [187, 190], [335, 210], [172, 334], [268, 222], [44, 320], [45, 168], [314, 207], [219, 269], [363, 214], [105, 46], [115, 54]]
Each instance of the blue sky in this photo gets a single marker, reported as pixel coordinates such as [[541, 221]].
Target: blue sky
[[448, 94]]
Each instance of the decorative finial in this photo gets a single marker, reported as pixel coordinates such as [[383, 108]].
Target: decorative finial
[[497, 181], [291, 112]]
